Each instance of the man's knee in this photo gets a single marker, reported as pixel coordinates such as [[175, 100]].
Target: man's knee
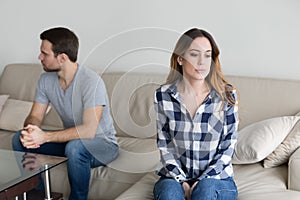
[[16, 143], [74, 149]]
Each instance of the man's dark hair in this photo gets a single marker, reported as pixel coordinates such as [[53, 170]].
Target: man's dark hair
[[63, 41]]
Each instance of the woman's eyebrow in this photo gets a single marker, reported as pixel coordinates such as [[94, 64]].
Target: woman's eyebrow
[[208, 50]]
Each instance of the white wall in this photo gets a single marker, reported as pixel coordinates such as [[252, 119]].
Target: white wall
[[256, 38]]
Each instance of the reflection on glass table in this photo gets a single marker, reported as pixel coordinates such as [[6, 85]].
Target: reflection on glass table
[[20, 172]]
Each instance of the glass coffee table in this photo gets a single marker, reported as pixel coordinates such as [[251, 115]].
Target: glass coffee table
[[20, 173]]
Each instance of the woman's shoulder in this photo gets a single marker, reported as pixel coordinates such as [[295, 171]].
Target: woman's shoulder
[[163, 92], [165, 88]]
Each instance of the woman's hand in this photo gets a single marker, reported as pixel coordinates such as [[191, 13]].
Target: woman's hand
[[193, 186], [187, 190]]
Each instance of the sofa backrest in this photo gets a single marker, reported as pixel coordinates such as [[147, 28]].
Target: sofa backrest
[[263, 98], [19, 80], [131, 97]]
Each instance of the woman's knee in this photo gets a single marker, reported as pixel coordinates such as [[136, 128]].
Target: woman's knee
[[210, 188], [168, 188]]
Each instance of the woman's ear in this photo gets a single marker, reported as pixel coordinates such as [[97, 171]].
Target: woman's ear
[[179, 60]]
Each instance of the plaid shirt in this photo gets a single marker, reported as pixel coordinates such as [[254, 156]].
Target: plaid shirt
[[195, 148]]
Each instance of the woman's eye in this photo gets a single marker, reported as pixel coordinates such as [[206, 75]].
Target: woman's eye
[[194, 54], [208, 55]]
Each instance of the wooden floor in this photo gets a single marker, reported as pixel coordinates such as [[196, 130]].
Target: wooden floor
[[40, 195]]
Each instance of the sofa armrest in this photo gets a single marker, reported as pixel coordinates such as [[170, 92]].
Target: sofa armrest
[[293, 171]]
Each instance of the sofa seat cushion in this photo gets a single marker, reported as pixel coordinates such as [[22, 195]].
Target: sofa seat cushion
[[271, 184], [105, 182], [142, 189], [136, 155], [259, 183], [6, 139]]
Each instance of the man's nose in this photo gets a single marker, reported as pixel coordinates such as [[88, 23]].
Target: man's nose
[[40, 57]]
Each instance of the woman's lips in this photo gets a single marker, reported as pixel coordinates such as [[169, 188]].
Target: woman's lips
[[200, 70]]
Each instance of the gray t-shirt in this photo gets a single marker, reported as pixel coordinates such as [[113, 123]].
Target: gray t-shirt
[[85, 91]]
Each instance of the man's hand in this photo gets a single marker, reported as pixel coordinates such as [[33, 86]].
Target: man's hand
[[32, 137], [32, 161]]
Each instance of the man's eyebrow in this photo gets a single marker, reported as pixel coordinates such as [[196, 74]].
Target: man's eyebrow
[[43, 52]]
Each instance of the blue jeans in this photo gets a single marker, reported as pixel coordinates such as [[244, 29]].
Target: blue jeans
[[206, 189], [82, 156]]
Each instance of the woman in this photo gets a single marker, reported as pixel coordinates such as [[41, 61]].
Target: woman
[[197, 123]]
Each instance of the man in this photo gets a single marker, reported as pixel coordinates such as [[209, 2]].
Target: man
[[79, 96]]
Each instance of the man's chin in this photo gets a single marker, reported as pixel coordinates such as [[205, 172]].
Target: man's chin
[[51, 70]]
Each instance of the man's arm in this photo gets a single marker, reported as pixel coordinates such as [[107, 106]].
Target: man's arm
[[87, 130], [35, 118], [36, 114]]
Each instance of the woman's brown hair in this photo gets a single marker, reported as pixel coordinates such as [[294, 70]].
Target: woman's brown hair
[[215, 78]]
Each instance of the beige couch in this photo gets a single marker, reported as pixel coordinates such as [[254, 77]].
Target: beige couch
[[131, 175]]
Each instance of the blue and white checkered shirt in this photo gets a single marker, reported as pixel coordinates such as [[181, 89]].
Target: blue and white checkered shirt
[[195, 148]]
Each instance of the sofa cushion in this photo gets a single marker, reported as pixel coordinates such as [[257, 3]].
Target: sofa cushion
[[14, 114], [258, 183], [3, 99], [6, 139], [132, 102], [293, 167], [282, 153], [136, 155], [20, 80], [258, 140]]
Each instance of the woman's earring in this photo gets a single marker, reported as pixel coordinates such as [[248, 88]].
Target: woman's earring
[[179, 60]]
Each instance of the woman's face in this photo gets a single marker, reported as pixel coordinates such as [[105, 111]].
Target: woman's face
[[196, 61]]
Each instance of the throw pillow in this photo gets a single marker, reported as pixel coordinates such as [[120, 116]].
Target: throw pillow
[[282, 153], [14, 114], [256, 141], [3, 99]]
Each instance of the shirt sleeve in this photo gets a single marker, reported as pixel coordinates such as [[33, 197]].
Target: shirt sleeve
[[41, 92], [222, 160], [94, 92], [171, 166]]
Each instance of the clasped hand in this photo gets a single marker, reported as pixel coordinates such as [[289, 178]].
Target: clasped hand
[[32, 137], [188, 190], [32, 161]]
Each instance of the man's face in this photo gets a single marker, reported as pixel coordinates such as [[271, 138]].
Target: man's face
[[48, 59]]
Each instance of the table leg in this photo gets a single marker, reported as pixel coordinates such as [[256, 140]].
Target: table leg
[[47, 183]]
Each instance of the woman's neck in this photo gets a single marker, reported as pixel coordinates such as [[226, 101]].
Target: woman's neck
[[193, 87]]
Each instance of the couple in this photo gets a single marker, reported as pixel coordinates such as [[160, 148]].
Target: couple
[[196, 112]]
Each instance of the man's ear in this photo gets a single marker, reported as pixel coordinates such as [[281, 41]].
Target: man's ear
[[179, 60], [62, 58]]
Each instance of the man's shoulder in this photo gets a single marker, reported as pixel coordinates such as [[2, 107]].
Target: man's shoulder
[[48, 76], [88, 73]]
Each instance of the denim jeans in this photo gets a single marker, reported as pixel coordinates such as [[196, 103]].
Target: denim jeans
[[82, 156], [206, 189]]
